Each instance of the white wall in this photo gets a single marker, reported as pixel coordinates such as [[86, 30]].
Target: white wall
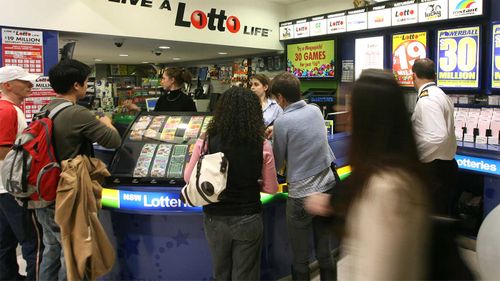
[[111, 18], [309, 8]]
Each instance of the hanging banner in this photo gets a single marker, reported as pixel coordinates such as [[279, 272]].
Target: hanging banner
[[495, 79], [41, 94], [369, 53], [458, 57], [23, 48], [406, 48]]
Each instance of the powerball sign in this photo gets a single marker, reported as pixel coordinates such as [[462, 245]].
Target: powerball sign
[[406, 48], [458, 57], [495, 79]]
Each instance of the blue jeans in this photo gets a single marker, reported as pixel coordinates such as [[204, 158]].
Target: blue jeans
[[300, 224], [236, 245], [53, 266], [18, 226]]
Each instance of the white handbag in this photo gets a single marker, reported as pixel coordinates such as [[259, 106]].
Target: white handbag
[[207, 181]]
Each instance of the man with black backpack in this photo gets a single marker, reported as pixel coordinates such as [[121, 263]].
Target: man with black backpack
[[74, 130], [18, 225]]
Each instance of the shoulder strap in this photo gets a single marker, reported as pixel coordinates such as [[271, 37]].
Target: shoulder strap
[[58, 109]]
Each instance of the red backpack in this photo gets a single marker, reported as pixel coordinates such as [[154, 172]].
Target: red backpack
[[30, 170]]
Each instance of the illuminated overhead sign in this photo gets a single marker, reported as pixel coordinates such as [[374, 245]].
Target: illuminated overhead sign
[[406, 48], [482, 165]]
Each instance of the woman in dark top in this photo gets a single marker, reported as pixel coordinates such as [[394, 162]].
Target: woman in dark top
[[173, 98], [233, 226]]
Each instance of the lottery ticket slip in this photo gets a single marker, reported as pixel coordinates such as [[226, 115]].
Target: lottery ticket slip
[[144, 160], [193, 127], [168, 133], [176, 164], [160, 162], [205, 124], [154, 128]]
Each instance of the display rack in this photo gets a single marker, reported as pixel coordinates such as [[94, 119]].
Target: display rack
[[156, 148]]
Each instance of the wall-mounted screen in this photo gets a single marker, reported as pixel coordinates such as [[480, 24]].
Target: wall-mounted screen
[[312, 59], [369, 53], [458, 57], [406, 48], [495, 72]]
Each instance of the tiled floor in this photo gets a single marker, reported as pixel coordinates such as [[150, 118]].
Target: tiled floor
[[469, 256]]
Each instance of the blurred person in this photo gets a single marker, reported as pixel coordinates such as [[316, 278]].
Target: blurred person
[[234, 226], [434, 128], [259, 84], [300, 140], [74, 130], [387, 223], [174, 99], [17, 225]]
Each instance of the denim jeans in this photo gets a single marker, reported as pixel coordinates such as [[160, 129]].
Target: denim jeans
[[300, 224], [52, 267], [18, 226], [236, 245]]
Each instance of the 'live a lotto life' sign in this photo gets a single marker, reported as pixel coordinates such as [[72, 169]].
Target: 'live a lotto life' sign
[[495, 79], [406, 48], [458, 57]]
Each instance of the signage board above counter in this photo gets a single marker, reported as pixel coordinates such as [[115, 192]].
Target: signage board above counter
[[391, 13]]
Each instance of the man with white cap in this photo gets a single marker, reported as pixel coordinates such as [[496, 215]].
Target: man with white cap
[[15, 86]]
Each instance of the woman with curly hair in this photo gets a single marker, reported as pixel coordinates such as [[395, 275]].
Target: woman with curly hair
[[233, 226]]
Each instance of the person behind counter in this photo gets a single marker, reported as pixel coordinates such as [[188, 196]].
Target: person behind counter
[[174, 99], [387, 225], [234, 226], [270, 108]]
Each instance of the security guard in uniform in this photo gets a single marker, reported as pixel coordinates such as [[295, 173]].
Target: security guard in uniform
[[434, 132]]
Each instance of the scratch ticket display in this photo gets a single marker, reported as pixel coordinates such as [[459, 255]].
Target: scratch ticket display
[[144, 160], [168, 133], [193, 127], [139, 127], [205, 124], [160, 162], [176, 164], [154, 128]]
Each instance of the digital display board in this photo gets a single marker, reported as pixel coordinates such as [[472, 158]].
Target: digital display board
[[458, 57], [406, 48], [369, 53], [312, 60], [495, 52]]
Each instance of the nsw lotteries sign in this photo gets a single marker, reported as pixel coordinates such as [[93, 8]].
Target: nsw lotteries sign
[[406, 48], [458, 57], [495, 79], [482, 165]]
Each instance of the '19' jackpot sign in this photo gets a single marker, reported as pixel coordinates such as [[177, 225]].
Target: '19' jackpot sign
[[458, 57], [406, 48], [495, 79]]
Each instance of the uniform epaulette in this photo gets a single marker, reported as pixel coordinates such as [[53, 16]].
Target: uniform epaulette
[[424, 93]]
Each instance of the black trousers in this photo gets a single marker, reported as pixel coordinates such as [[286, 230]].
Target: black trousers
[[442, 176], [18, 227]]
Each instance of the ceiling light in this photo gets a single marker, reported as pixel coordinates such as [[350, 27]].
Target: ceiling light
[[145, 62], [164, 47], [123, 55], [176, 58], [222, 53], [97, 59]]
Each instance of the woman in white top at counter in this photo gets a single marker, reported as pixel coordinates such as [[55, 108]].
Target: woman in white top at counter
[[259, 84]]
